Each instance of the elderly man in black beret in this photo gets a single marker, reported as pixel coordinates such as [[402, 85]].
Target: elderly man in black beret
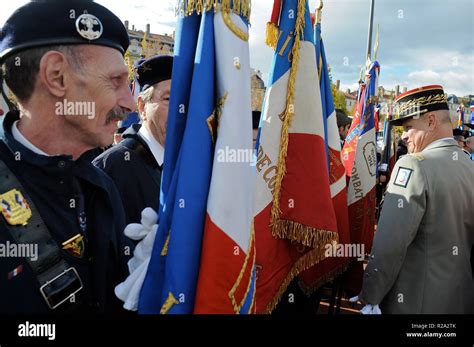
[[135, 164], [63, 61]]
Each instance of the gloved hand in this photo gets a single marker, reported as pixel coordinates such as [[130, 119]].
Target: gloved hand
[[368, 308], [129, 290]]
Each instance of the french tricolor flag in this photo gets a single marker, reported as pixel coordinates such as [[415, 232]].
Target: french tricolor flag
[[227, 273], [329, 268], [294, 215]]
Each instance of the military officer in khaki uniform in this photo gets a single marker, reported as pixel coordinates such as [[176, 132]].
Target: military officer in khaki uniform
[[420, 261]]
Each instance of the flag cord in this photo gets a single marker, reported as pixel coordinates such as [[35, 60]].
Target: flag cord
[[286, 229], [287, 117], [190, 7]]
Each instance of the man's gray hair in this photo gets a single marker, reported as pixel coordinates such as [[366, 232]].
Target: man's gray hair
[[443, 116], [147, 94], [20, 71]]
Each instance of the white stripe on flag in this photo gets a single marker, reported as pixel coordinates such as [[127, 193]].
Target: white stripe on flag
[[364, 171], [232, 186]]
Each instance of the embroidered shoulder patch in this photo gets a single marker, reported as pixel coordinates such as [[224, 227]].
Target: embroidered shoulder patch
[[403, 176]]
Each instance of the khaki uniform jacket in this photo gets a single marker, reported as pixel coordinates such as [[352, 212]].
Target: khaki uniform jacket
[[420, 261]]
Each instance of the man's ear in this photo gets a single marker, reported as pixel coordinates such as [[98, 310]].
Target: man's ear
[[432, 121], [53, 71], [141, 108]]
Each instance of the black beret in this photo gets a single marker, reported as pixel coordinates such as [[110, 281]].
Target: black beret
[[342, 119], [58, 22], [154, 70], [459, 132], [419, 101], [256, 119]]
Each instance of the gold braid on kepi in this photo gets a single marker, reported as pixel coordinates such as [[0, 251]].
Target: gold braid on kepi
[[419, 101]]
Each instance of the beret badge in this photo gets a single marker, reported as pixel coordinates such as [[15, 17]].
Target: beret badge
[[89, 26]]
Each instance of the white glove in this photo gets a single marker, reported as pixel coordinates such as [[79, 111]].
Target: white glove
[[367, 309], [129, 290]]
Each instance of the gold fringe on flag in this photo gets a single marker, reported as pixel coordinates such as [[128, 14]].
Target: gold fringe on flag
[[287, 117], [190, 7], [304, 263], [271, 35], [309, 289], [303, 234]]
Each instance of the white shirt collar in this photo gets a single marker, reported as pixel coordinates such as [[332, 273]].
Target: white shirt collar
[[156, 148], [18, 136]]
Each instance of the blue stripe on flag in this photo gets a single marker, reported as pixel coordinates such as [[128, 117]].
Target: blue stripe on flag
[[184, 210]]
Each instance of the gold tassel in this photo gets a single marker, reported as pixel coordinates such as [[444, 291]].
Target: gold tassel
[[225, 5], [271, 35], [199, 6], [236, 6], [209, 5], [190, 7], [303, 234], [170, 301], [310, 259], [309, 289]]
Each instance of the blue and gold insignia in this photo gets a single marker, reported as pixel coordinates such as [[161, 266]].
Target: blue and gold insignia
[[14, 208], [75, 246]]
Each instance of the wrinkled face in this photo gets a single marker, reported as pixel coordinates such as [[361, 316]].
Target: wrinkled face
[[470, 144], [155, 114], [102, 86], [416, 134]]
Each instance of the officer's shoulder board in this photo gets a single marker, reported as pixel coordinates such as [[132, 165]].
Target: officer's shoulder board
[[417, 156]]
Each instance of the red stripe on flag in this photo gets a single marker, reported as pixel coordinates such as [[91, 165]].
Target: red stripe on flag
[[221, 263], [362, 217], [306, 200], [330, 268], [305, 195]]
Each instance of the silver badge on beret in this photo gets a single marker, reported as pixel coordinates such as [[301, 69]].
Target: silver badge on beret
[[89, 26]]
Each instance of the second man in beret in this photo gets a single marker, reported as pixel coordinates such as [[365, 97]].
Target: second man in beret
[[135, 164]]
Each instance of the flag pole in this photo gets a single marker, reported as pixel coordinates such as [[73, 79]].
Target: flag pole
[[371, 24], [319, 10]]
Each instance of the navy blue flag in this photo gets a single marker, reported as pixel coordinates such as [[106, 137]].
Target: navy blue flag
[[170, 283]]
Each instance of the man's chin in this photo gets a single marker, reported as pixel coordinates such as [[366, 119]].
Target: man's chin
[[104, 140]]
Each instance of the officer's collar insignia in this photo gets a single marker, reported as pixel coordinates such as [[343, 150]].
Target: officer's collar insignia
[[89, 26], [75, 246], [14, 208]]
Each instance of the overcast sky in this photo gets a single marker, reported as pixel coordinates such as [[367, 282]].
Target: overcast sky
[[421, 42]]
